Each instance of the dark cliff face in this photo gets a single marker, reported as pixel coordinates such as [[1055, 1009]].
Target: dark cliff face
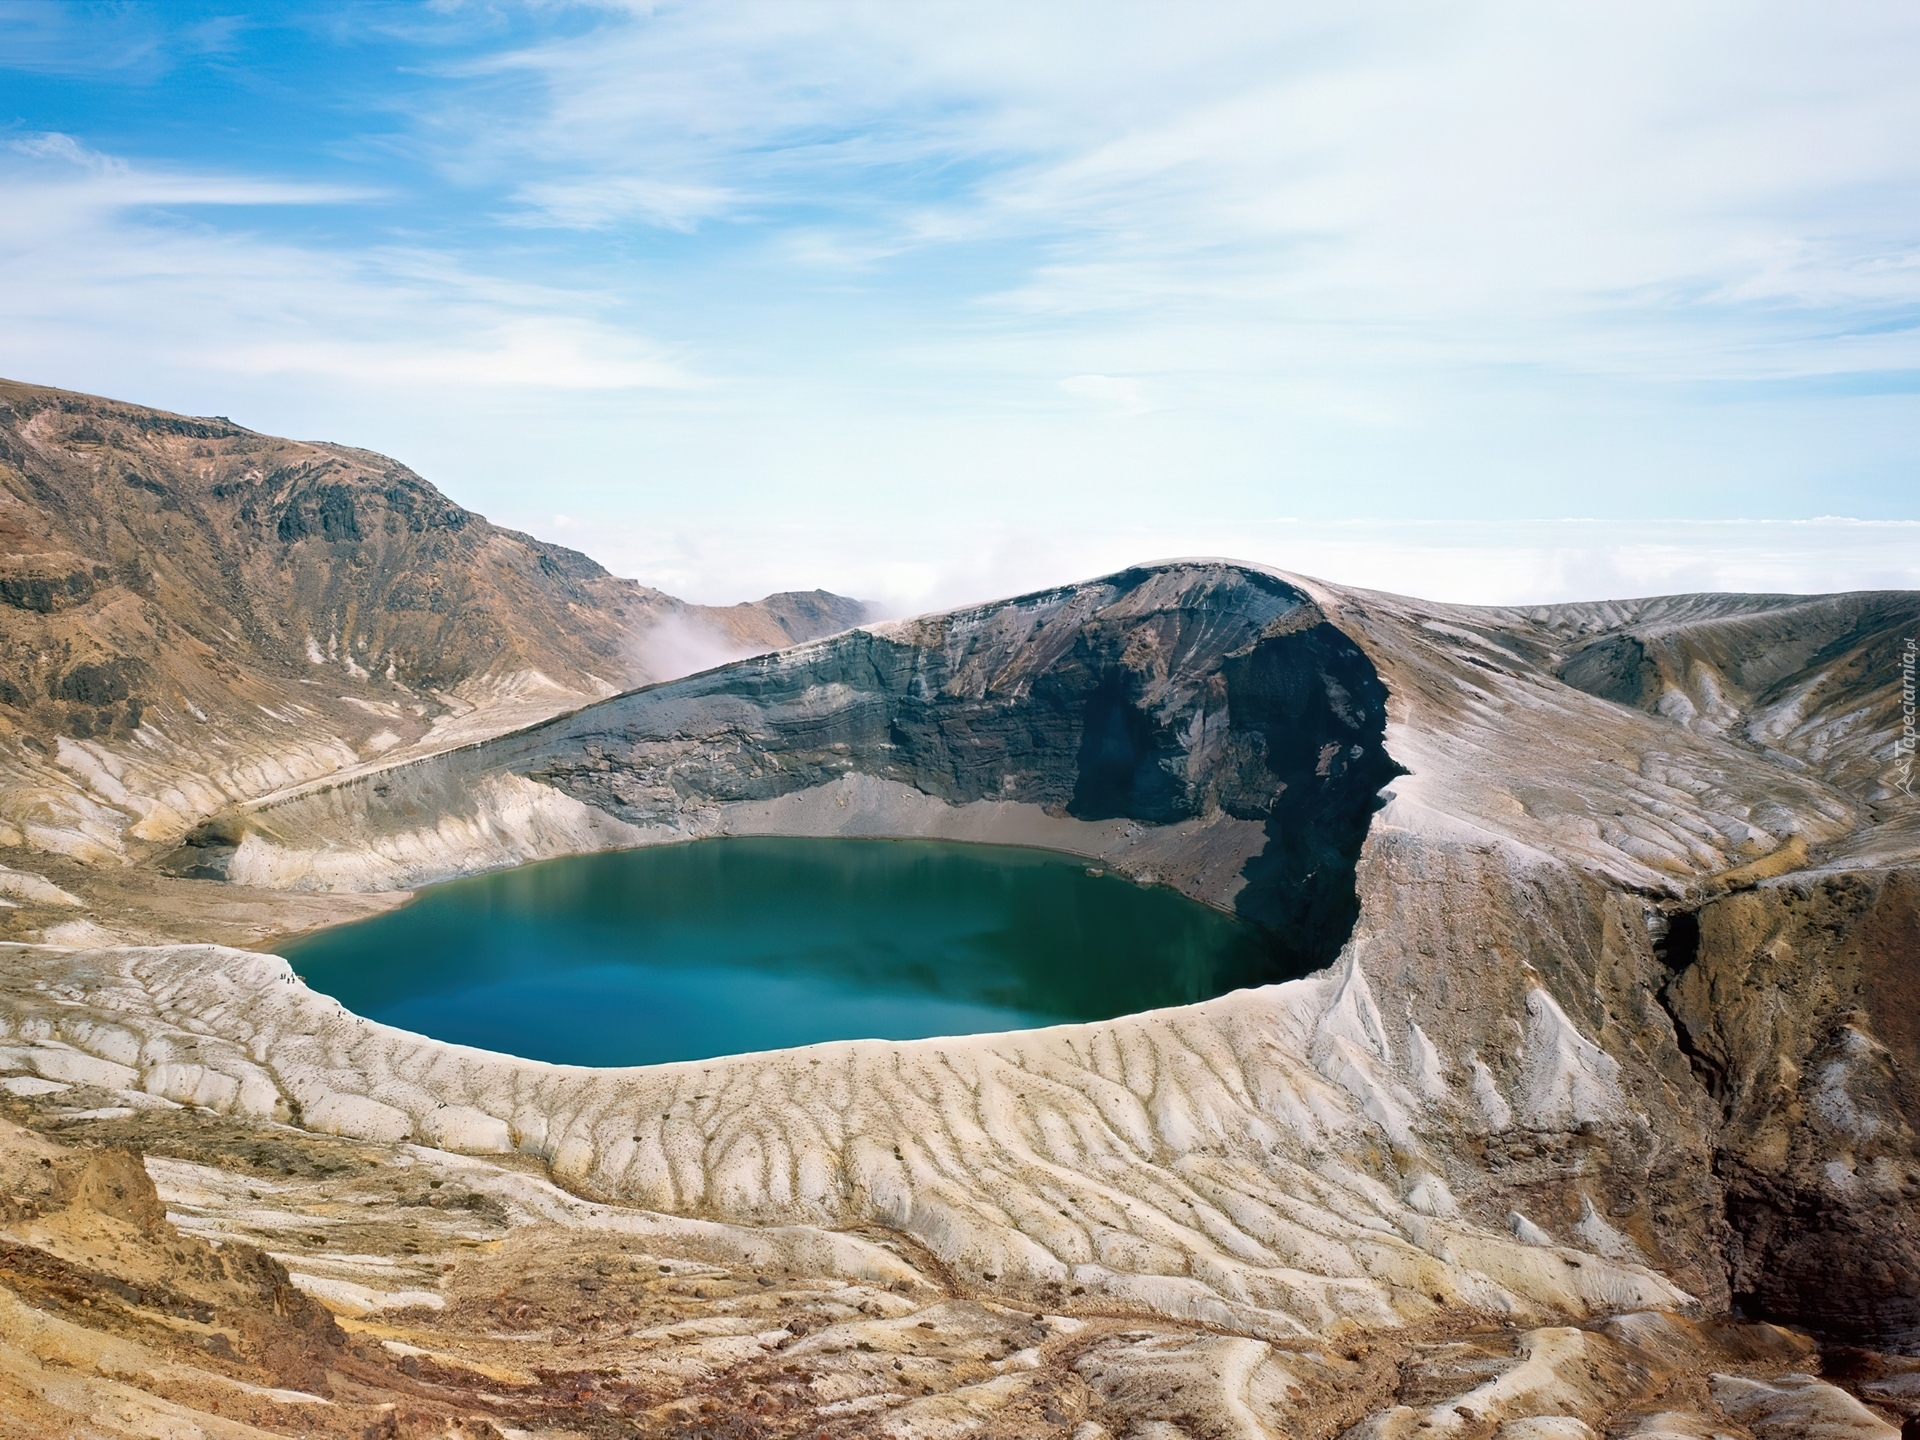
[[1156, 695], [1797, 1004], [1290, 692]]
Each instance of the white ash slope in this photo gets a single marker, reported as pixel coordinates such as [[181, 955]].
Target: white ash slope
[[1513, 890], [1226, 1163], [1808, 681], [1495, 741], [476, 1299], [1498, 741]]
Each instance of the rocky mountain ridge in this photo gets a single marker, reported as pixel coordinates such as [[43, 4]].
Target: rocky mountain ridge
[[192, 614]]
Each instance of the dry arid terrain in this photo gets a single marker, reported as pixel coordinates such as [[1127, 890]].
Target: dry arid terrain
[[1585, 1104], [193, 614]]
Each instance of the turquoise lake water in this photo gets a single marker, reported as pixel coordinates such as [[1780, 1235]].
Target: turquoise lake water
[[717, 947]]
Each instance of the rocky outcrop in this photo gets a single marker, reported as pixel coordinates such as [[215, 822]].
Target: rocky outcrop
[[1117, 1159], [1226, 730], [1209, 706], [1810, 681], [193, 614], [475, 1299], [1796, 1004]]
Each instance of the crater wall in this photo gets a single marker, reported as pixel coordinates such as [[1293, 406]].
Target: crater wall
[[1201, 725], [1508, 1030]]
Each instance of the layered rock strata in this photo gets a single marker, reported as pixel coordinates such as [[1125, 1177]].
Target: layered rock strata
[[1208, 717], [471, 1297], [1226, 730]]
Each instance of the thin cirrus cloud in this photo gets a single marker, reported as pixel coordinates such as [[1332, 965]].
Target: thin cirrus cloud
[[1117, 392], [1519, 162], [1506, 246], [538, 353], [594, 204], [1399, 228], [687, 262], [99, 247], [62, 180]]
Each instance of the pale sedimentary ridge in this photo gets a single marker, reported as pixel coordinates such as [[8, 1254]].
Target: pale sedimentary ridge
[[508, 820], [101, 802], [474, 1298], [1169, 701]]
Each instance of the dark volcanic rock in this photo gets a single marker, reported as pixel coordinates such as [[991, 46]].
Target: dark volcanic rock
[[1799, 1006]]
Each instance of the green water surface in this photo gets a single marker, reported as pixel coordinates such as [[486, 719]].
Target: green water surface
[[681, 952]]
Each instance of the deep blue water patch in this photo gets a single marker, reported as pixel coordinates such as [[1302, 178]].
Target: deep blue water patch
[[718, 947]]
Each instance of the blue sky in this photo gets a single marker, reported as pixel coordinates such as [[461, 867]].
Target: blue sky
[[929, 301]]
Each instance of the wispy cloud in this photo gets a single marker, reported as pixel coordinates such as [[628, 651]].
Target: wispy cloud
[[72, 178], [1115, 392], [97, 246], [594, 204], [1260, 203], [535, 353], [49, 37], [1045, 264]]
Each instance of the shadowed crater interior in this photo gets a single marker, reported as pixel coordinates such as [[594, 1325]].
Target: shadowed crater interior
[[1158, 695], [1206, 724]]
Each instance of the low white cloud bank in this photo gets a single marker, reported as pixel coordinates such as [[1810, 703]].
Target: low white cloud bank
[[1497, 563], [677, 645]]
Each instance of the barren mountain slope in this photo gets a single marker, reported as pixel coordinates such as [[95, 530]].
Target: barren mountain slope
[[471, 1298], [192, 614], [1223, 710], [1811, 680], [1599, 1055]]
